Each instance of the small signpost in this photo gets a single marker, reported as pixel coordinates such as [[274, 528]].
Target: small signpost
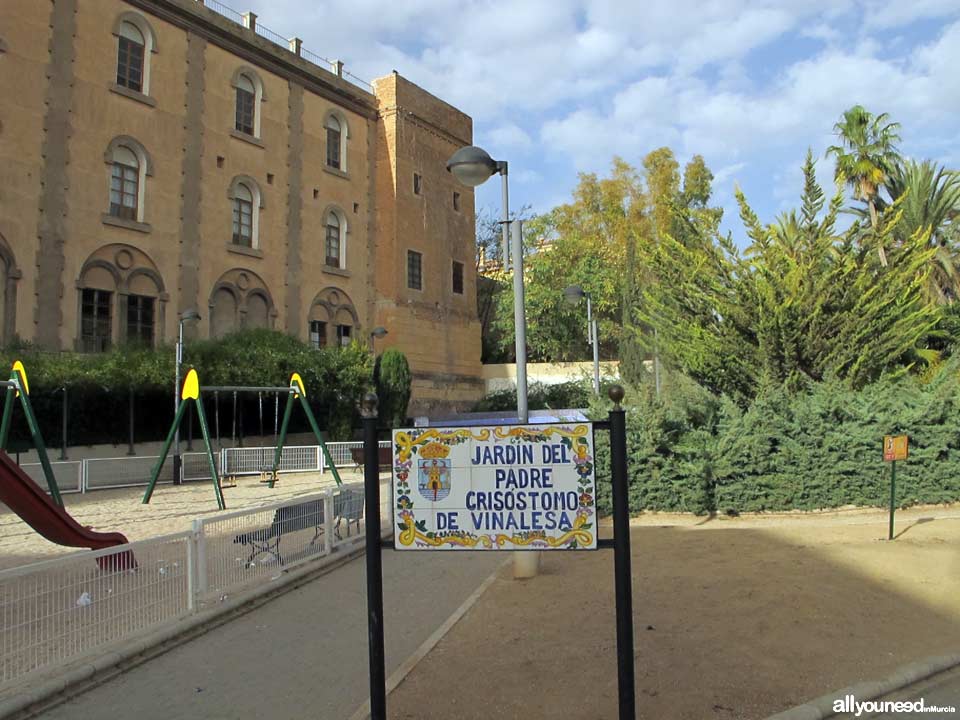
[[500, 487], [894, 448]]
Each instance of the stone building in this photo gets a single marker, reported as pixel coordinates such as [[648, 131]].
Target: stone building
[[158, 155]]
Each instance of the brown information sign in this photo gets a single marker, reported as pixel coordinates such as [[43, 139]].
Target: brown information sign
[[894, 447]]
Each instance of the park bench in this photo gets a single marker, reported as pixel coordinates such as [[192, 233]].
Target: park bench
[[384, 457], [347, 506], [286, 519]]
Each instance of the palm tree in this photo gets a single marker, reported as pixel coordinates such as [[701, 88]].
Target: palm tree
[[929, 200], [866, 156]]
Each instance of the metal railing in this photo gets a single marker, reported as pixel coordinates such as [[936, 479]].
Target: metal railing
[[68, 474], [341, 455], [134, 471], [254, 460], [119, 472], [54, 611], [279, 40]]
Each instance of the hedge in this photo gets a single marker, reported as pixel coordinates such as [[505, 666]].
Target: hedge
[[99, 386], [690, 451]]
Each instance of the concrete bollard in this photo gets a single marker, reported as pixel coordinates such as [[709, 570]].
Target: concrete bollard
[[526, 564]]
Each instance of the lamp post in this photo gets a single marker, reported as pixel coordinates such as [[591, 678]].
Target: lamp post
[[573, 295], [378, 333], [189, 315], [472, 166]]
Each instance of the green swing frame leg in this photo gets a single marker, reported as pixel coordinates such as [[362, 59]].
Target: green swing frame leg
[[34, 427], [7, 416], [323, 445], [287, 412], [154, 476]]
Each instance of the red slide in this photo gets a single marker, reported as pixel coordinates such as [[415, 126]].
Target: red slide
[[22, 495]]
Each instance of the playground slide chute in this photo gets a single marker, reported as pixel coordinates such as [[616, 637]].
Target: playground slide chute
[[22, 495]]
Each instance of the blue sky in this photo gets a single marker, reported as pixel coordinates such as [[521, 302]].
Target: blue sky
[[558, 87]]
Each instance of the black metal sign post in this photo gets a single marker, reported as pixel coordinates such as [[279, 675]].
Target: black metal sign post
[[621, 556], [620, 544], [371, 483]]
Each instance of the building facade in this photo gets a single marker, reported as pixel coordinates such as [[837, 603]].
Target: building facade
[[157, 156]]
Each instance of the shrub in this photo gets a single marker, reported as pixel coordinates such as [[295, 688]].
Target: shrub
[[391, 376]]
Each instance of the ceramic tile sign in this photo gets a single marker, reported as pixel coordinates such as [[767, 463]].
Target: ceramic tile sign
[[525, 487]]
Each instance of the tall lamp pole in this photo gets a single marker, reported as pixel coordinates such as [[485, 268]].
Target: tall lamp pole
[[472, 166], [186, 316], [573, 295]]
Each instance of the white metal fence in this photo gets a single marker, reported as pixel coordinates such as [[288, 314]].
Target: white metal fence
[[69, 475], [254, 460], [135, 470], [55, 611]]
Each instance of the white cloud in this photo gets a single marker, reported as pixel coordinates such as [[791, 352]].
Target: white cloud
[[506, 137]]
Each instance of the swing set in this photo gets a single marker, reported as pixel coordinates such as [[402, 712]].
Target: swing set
[[18, 387], [192, 392]]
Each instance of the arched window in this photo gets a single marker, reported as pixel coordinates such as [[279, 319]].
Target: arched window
[[125, 184], [249, 94], [334, 256], [243, 216], [333, 142], [246, 202], [337, 134], [130, 53], [129, 166], [246, 98], [135, 44]]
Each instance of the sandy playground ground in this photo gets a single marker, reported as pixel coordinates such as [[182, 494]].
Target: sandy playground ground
[[171, 510], [734, 618]]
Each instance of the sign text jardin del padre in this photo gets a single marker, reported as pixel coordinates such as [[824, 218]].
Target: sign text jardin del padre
[[495, 488]]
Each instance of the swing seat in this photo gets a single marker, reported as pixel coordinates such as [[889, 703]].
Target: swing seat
[[230, 481]]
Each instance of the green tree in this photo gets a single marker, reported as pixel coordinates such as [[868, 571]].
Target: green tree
[[866, 156], [580, 243], [391, 376], [800, 303], [929, 198]]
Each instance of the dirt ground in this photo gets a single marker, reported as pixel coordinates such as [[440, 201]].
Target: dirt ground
[[734, 618], [171, 510]]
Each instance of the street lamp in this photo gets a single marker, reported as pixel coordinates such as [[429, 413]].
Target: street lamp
[[188, 315], [378, 333], [472, 166], [573, 295]]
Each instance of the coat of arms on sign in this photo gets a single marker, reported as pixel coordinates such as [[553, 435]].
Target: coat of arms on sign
[[433, 478]]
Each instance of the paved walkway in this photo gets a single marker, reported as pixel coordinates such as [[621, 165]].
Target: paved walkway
[[940, 691], [302, 655]]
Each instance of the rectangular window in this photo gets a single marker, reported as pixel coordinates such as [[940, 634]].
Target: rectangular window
[[417, 184], [456, 201], [243, 222], [95, 320], [333, 148], [245, 102], [414, 270], [458, 277], [343, 335], [124, 189], [318, 334], [130, 64], [140, 319]]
